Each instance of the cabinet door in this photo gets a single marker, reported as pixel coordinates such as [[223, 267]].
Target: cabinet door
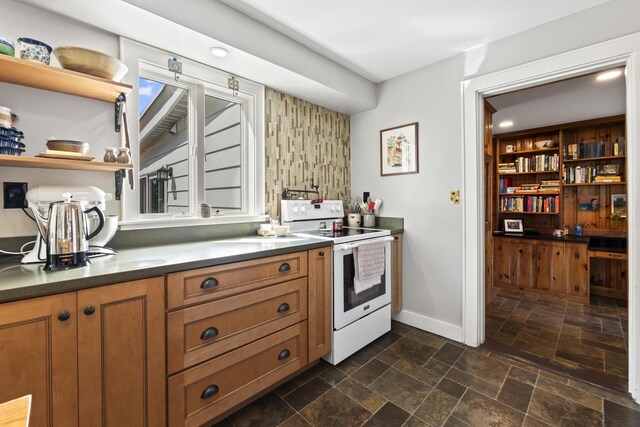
[[319, 302], [121, 354], [558, 267], [542, 266], [396, 274], [38, 357], [501, 261], [577, 276], [522, 263]]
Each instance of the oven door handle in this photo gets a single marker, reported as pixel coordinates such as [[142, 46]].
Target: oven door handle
[[353, 246]]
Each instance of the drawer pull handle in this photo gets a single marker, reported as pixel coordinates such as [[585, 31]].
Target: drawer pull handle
[[284, 268], [209, 333], [284, 307], [209, 392], [89, 310], [284, 354], [64, 316], [209, 283]]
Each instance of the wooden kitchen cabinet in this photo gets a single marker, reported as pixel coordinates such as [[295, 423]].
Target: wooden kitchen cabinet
[[396, 273], [121, 347], [543, 266], [38, 357], [319, 281], [92, 357]]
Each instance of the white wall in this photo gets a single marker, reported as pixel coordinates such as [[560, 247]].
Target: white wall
[[43, 114], [432, 265]]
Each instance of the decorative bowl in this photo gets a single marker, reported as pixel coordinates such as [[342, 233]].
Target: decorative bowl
[[7, 42], [34, 50], [545, 144], [10, 143], [69, 146], [11, 151], [7, 50], [91, 62]]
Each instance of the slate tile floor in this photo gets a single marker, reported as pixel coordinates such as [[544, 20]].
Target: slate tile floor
[[593, 337], [412, 378]]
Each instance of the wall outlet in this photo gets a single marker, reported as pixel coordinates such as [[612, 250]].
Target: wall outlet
[[454, 197], [15, 195]]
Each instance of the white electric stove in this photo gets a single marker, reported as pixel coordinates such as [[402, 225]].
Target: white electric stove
[[358, 318]]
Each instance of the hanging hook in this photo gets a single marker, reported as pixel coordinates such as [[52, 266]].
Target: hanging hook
[[176, 67]]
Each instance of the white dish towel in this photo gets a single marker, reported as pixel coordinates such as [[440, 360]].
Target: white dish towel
[[369, 265]]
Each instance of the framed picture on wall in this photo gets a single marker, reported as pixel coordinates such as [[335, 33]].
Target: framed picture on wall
[[619, 205], [399, 150]]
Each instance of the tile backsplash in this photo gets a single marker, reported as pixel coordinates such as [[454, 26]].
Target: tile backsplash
[[305, 141]]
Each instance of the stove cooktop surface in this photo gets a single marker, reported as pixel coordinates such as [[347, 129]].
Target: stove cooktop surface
[[348, 234]]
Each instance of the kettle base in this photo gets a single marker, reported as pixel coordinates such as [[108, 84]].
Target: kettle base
[[66, 261]]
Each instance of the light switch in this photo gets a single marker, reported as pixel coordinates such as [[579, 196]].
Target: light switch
[[454, 197]]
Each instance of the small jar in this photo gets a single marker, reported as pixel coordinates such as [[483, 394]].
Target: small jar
[[205, 210], [337, 226], [565, 229], [110, 155], [123, 155], [578, 230]]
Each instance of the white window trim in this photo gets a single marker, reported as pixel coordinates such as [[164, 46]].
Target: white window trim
[[139, 57]]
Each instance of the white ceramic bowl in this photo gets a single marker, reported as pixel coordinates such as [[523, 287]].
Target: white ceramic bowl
[[281, 230], [545, 144]]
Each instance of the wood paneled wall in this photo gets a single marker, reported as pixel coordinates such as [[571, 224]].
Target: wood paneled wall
[[305, 141]]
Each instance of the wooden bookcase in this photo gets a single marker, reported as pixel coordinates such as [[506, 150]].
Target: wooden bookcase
[[567, 207]]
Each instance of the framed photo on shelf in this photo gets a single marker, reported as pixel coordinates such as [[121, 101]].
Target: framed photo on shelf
[[513, 226], [399, 150], [619, 205]]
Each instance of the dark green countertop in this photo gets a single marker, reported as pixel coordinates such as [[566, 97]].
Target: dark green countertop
[[20, 281], [543, 236]]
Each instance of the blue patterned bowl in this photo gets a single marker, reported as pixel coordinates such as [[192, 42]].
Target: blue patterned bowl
[[34, 50]]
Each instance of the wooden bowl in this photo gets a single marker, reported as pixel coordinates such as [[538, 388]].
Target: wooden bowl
[[91, 62]]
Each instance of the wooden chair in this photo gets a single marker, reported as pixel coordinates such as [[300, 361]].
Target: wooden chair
[[15, 413]]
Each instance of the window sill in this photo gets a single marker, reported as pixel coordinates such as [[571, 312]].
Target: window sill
[[169, 222]]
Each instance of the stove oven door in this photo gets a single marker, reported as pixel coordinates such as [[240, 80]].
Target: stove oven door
[[349, 306]]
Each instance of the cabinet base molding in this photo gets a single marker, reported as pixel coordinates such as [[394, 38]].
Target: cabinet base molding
[[429, 324]]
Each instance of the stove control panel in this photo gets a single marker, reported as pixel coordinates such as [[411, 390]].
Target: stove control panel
[[300, 210]]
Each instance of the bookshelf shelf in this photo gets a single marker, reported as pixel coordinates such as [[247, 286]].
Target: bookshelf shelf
[[539, 193], [529, 152], [592, 159], [529, 213], [526, 173], [594, 184]]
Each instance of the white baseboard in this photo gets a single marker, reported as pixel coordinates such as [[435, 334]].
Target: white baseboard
[[429, 324]]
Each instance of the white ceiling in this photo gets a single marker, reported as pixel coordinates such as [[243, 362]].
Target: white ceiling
[[381, 39], [566, 101]]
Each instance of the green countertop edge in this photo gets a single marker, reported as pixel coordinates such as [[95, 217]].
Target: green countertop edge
[[32, 289]]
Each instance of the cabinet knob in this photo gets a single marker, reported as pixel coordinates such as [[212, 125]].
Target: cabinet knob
[[89, 310], [209, 333], [209, 283], [284, 268], [284, 354], [209, 392], [321, 253], [64, 316], [284, 307]]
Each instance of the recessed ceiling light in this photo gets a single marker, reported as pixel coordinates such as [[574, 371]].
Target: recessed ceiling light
[[506, 124], [220, 52], [608, 75]]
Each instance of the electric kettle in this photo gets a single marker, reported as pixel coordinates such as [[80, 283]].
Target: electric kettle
[[65, 233]]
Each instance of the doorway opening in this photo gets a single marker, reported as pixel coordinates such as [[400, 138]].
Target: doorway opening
[[619, 53], [556, 233]]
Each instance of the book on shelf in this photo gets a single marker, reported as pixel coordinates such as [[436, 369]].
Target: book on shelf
[[505, 183], [539, 163], [530, 204], [593, 149], [588, 175], [506, 168]]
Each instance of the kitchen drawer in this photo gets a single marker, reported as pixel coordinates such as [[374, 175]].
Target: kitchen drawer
[[206, 284], [196, 334], [200, 394]]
